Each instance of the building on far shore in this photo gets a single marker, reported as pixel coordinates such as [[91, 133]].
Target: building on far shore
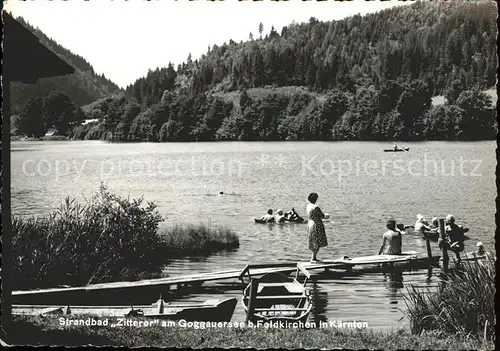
[[439, 100]]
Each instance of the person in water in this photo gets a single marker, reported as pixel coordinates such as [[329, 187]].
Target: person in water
[[315, 227], [434, 224], [421, 224], [395, 147], [480, 249], [400, 227], [268, 217], [293, 216], [454, 236], [391, 240], [280, 218]]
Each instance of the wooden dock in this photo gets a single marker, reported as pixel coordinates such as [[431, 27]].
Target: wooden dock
[[144, 291]]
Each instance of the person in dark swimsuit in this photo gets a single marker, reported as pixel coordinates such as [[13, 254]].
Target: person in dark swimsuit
[[455, 236]]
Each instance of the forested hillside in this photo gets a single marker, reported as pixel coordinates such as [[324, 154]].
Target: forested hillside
[[442, 43], [361, 78], [83, 87]]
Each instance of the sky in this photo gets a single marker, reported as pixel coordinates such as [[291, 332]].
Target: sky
[[123, 39]]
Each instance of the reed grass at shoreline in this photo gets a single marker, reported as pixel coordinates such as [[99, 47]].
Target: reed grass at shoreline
[[197, 239], [463, 304], [108, 239], [48, 331]]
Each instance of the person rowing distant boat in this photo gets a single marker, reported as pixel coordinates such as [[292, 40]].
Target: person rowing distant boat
[[391, 240], [268, 217], [396, 147]]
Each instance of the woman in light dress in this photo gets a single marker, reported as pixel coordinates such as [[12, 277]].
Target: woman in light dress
[[315, 227]]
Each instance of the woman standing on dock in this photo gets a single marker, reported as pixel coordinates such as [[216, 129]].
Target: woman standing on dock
[[315, 226]]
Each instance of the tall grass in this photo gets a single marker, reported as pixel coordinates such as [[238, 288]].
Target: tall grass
[[200, 239], [108, 238], [463, 304]]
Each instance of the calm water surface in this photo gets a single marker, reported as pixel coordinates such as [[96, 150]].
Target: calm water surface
[[359, 185]]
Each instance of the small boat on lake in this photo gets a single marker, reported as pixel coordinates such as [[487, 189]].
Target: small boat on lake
[[279, 297], [404, 149], [215, 310]]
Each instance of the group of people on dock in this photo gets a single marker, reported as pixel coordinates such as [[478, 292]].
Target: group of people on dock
[[454, 237], [392, 239]]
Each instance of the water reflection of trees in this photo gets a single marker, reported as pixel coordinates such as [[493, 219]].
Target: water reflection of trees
[[320, 301]]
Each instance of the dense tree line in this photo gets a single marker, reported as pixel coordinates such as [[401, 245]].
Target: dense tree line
[[390, 112], [55, 111], [83, 87]]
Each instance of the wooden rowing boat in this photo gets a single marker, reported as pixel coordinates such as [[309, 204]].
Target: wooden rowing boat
[[214, 310], [278, 297]]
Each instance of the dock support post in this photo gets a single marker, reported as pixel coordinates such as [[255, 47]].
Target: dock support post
[[254, 285], [428, 245], [442, 235]]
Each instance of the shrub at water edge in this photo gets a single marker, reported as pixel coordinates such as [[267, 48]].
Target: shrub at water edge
[[108, 238]]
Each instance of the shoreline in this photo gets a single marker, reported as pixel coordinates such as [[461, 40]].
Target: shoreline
[[252, 141], [52, 331]]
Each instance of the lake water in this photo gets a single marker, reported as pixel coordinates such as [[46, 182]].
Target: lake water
[[358, 184]]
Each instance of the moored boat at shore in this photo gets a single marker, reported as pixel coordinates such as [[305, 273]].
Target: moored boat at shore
[[214, 310], [278, 297]]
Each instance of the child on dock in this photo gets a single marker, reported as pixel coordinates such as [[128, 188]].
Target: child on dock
[[392, 240]]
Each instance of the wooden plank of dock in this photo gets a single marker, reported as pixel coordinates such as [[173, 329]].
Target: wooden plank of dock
[[285, 267]]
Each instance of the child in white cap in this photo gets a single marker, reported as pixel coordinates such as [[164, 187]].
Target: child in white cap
[[480, 248]]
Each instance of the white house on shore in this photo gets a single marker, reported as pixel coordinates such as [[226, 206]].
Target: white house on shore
[[50, 132], [87, 121]]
